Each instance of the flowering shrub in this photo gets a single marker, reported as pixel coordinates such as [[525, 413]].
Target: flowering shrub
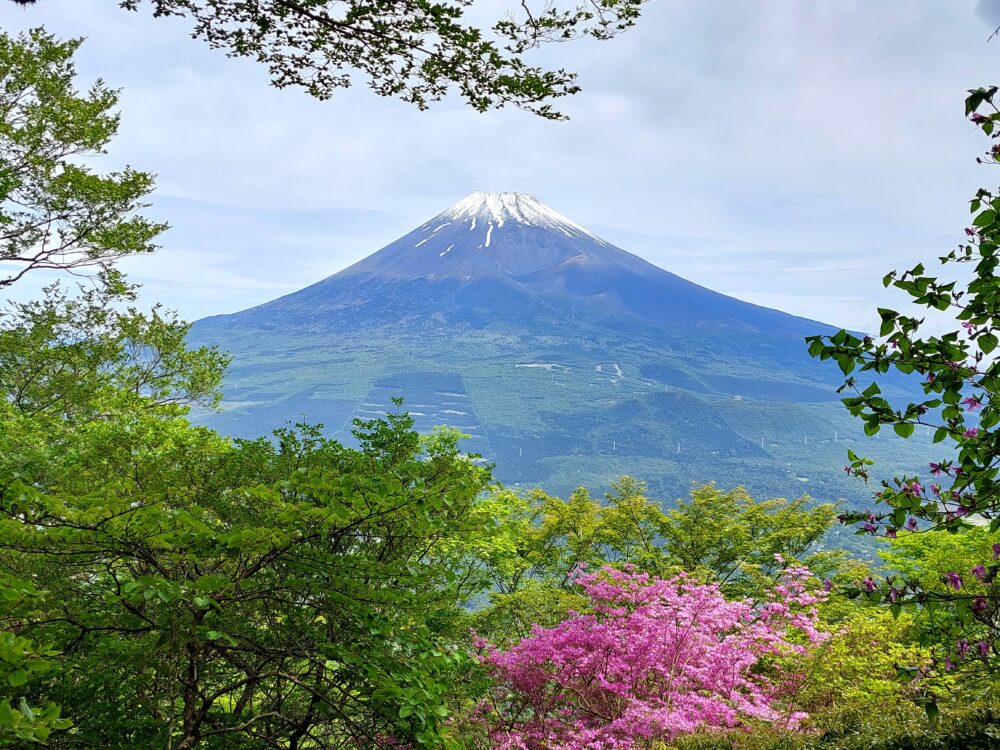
[[652, 659], [959, 374]]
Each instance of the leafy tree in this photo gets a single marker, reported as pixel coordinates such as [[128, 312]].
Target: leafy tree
[[290, 595], [743, 543], [55, 213], [412, 49], [541, 542], [961, 384], [966, 621]]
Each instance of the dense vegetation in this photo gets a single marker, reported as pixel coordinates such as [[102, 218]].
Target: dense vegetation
[[162, 586]]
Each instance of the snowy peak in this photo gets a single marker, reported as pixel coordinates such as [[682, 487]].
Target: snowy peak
[[488, 208], [492, 235]]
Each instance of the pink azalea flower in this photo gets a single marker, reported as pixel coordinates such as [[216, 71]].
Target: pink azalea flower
[[972, 403], [971, 433], [869, 584]]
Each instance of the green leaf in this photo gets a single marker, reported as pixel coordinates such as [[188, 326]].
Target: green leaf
[[903, 429], [985, 218], [17, 678]]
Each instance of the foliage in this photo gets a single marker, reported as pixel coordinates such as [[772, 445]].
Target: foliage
[[20, 658], [540, 542], [962, 726], [653, 658], [415, 50], [965, 623], [301, 609], [961, 382], [743, 543], [859, 665], [54, 212]]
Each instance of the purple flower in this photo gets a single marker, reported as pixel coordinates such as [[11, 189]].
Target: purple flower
[[996, 551], [890, 533], [893, 594], [936, 469], [869, 584], [972, 403], [949, 664], [827, 584], [968, 326], [869, 528], [971, 433], [979, 572], [912, 524], [978, 118], [954, 580], [978, 605], [936, 489], [984, 648], [962, 646]]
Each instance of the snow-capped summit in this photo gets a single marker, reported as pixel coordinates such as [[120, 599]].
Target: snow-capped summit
[[490, 235], [484, 208]]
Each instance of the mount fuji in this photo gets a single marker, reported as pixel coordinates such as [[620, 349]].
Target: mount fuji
[[566, 360]]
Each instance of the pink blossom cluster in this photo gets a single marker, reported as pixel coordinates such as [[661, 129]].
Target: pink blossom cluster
[[654, 658]]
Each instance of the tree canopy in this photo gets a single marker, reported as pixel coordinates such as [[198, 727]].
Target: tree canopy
[[55, 213], [416, 50]]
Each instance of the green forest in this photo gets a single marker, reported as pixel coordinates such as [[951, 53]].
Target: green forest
[[166, 586]]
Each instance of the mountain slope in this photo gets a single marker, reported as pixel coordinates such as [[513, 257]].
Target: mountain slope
[[567, 360]]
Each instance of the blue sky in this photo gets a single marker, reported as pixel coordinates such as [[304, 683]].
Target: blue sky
[[782, 151]]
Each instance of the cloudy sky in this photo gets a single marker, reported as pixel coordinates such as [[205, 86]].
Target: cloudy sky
[[787, 152]]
